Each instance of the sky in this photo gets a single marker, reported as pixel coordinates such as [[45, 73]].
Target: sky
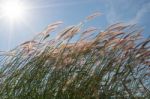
[[40, 13]]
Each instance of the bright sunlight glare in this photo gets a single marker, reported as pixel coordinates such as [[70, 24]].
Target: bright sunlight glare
[[12, 9]]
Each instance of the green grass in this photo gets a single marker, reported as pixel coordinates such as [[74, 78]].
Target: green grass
[[114, 63]]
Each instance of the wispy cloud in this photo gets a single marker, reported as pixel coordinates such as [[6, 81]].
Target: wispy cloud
[[111, 14], [114, 11], [144, 9]]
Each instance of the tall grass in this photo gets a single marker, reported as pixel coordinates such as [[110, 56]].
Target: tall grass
[[114, 63]]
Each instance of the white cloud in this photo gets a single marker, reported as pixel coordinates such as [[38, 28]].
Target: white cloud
[[144, 9]]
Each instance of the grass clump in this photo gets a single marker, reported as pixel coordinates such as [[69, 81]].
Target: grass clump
[[114, 63]]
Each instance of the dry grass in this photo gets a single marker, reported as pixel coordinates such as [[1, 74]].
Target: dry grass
[[113, 63]]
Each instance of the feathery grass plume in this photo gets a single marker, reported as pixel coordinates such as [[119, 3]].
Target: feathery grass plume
[[51, 27], [10, 53], [88, 33], [94, 15], [113, 64]]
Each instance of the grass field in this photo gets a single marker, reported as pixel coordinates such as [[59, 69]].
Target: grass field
[[113, 63]]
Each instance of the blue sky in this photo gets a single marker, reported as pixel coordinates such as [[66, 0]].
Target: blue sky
[[43, 12]]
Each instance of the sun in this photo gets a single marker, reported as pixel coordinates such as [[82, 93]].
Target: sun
[[12, 9]]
